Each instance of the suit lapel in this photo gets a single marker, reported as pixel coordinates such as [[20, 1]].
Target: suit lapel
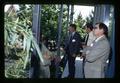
[[73, 35], [101, 39]]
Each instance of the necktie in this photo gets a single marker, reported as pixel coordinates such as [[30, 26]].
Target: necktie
[[70, 35], [86, 39]]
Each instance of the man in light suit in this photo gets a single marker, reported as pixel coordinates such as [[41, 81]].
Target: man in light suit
[[97, 53], [89, 38], [72, 48]]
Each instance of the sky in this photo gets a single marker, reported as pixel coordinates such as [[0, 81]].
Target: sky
[[7, 6], [85, 10]]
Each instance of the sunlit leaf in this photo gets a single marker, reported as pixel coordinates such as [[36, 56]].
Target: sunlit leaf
[[38, 50], [28, 49]]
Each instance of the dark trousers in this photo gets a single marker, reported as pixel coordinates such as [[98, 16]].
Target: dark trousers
[[71, 66], [35, 67], [83, 64]]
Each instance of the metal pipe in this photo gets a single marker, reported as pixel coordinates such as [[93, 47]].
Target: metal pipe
[[59, 39], [35, 62]]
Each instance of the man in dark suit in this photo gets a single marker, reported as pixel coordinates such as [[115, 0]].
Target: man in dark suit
[[72, 48]]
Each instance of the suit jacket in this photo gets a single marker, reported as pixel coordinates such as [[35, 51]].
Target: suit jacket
[[96, 58], [73, 45]]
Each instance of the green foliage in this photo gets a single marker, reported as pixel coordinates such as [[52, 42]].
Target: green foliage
[[80, 25], [80, 22], [25, 11], [14, 68], [18, 35], [49, 20]]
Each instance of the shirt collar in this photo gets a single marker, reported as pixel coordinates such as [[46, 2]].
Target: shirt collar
[[97, 39], [73, 33]]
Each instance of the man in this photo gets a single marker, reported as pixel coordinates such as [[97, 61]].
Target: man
[[72, 48], [97, 53], [89, 38]]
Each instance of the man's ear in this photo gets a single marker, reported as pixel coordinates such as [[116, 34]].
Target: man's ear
[[101, 30]]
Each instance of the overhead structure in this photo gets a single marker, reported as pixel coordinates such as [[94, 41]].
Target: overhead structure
[[68, 15], [59, 39], [71, 15], [35, 62], [101, 14]]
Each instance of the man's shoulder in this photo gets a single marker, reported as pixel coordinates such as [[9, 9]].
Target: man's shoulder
[[103, 42], [91, 33], [77, 33]]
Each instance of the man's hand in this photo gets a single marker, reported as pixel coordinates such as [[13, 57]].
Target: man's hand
[[84, 46], [46, 56], [83, 56], [57, 59]]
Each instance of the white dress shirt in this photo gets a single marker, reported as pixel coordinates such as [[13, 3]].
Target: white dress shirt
[[91, 38]]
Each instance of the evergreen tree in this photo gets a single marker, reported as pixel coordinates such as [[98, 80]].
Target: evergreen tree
[[89, 19], [80, 22]]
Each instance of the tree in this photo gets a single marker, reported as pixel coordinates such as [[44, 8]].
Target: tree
[[49, 21], [25, 14], [19, 40], [89, 19], [80, 25]]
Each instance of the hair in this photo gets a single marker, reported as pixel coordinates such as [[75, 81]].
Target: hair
[[73, 26], [104, 27], [90, 26]]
